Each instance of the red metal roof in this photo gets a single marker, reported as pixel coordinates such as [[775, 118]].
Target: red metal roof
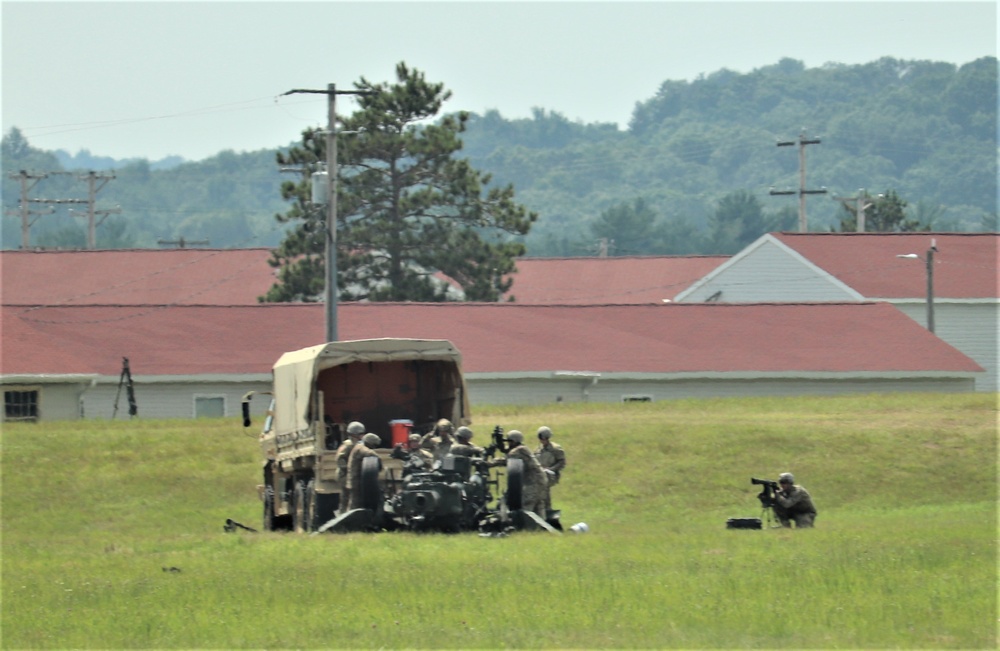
[[617, 280], [239, 276], [965, 264], [493, 338], [135, 276]]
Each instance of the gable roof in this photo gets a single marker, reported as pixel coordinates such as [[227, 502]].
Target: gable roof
[[135, 277], [493, 338], [615, 280], [965, 264]]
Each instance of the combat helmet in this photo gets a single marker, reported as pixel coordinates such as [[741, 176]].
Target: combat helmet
[[463, 433], [355, 428], [544, 432], [516, 436], [371, 440]]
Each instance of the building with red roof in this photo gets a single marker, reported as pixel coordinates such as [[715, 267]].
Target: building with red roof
[[961, 281], [792, 314], [190, 360], [135, 276], [607, 281]]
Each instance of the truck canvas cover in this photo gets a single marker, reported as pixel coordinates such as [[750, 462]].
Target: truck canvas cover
[[296, 372]]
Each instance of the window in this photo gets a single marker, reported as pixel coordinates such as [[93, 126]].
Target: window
[[642, 398], [20, 403], [209, 406]]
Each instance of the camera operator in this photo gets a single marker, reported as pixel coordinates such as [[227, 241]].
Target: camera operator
[[792, 502]]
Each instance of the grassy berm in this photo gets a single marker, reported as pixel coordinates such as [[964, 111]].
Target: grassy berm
[[112, 538]]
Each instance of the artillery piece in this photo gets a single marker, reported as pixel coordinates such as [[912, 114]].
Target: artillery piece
[[455, 495]]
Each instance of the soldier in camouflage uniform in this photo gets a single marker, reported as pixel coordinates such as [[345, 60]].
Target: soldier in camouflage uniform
[[464, 446], [535, 484], [438, 441], [354, 432], [363, 449], [421, 460], [792, 502], [553, 460]]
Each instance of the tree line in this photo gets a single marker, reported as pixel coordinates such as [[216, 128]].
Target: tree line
[[916, 140]]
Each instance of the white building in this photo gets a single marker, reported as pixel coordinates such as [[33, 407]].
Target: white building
[[890, 267]]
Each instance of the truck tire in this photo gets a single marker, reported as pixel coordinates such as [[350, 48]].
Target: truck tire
[[515, 484], [268, 522], [370, 494]]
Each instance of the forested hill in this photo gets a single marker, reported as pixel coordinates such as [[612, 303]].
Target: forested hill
[[692, 172]]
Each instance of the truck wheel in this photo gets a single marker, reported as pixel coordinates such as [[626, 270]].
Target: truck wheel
[[268, 523], [370, 494], [515, 484]]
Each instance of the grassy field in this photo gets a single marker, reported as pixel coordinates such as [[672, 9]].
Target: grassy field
[[904, 555]]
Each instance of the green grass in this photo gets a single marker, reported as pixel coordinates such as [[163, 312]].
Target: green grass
[[904, 554]]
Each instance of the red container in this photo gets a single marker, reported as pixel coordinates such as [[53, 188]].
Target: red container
[[400, 431]]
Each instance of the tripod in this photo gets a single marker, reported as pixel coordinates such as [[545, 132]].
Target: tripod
[[768, 519], [126, 381]]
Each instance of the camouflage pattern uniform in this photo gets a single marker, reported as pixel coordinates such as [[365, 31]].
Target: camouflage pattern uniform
[[794, 503], [417, 452], [552, 457], [535, 482], [464, 447], [466, 450], [343, 457], [420, 460], [358, 454], [439, 446], [439, 441]]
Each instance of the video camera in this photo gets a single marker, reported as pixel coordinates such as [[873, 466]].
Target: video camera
[[767, 491]]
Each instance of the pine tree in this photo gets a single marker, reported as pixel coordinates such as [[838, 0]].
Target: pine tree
[[408, 210]]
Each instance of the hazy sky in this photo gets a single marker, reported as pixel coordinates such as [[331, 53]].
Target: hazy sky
[[150, 79]]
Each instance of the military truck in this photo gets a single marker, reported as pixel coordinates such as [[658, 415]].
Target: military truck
[[392, 386]]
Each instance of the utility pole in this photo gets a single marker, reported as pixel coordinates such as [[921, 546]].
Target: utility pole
[[92, 178], [28, 181], [930, 285], [802, 191], [861, 204], [929, 262], [331, 200], [25, 211]]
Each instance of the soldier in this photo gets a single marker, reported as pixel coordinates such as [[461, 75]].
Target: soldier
[[354, 432], [420, 460], [438, 441], [535, 483], [464, 446], [362, 450], [552, 458], [792, 502]]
